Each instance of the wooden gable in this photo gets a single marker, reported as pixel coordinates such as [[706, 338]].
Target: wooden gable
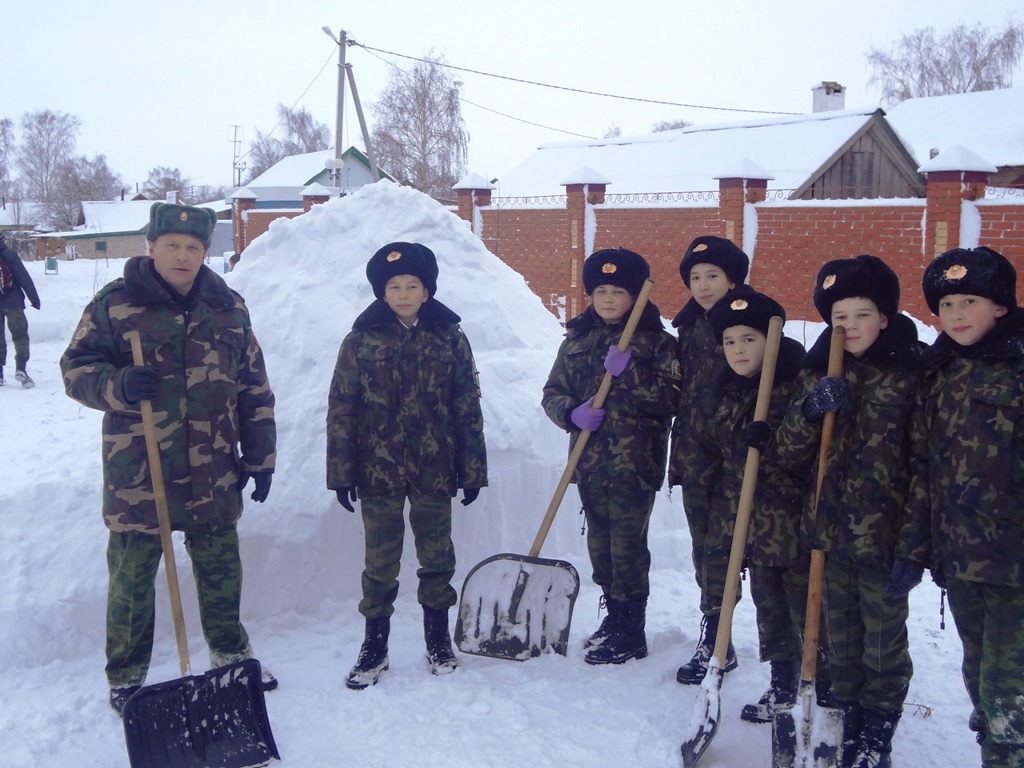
[[872, 164]]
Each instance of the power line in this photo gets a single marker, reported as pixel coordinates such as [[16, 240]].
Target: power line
[[572, 90], [521, 120]]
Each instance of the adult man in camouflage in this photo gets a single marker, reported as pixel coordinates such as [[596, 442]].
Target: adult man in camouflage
[[404, 421], [205, 376]]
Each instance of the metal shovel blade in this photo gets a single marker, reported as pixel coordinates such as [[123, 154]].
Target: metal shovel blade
[[805, 734], [707, 711], [215, 720], [516, 607]]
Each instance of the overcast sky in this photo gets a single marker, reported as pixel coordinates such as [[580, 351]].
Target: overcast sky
[[163, 84]]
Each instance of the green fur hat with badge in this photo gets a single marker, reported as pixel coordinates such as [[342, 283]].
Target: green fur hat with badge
[[174, 219]]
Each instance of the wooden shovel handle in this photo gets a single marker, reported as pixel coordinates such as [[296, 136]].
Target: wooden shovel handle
[[746, 502], [581, 441], [162, 515], [816, 576]]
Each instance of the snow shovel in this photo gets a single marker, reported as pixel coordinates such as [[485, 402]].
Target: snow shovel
[[215, 720], [806, 734], [707, 707], [516, 607]]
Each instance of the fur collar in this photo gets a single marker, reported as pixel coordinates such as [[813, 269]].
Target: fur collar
[[650, 320], [433, 313], [896, 347], [143, 287], [1004, 341]]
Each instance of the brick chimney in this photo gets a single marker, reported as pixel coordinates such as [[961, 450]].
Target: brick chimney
[[828, 96]]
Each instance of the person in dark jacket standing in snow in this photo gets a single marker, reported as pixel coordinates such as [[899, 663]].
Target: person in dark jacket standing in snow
[[15, 285], [214, 409], [623, 464], [876, 546], [404, 422], [777, 562], [711, 268], [973, 443]]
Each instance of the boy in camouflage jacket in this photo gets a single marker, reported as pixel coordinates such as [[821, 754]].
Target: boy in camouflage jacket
[[623, 464], [404, 421], [778, 565], [710, 268], [205, 376], [876, 548], [973, 443]]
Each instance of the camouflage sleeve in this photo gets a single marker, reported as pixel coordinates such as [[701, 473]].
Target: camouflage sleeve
[[651, 385], [343, 399], [914, 542], [91, 366], [469, 419], [797, 440], [558, 400], [256, 425]]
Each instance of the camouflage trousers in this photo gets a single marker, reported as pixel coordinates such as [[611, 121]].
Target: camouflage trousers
[[710, 561], [430, 517], [869, 651], [617, 523], [15, 318], [132, 562], [990, 621], [780, 601]]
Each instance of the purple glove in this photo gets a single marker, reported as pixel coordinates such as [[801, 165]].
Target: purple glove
[[586, 416], [615, 362]]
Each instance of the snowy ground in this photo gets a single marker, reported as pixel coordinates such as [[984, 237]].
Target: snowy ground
[[304, 283]]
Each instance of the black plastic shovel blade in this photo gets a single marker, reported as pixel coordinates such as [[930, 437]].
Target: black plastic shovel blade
[[215, 720], [516, 607], [707, 711], [805, 734]]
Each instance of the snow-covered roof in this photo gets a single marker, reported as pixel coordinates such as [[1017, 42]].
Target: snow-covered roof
[[958, 158], [986, 122], [108, 216], [789, 149], [294, 171], [23, 214]]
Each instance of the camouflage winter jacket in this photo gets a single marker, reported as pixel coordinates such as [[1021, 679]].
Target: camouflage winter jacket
[[700, 362], [629, 448], [721, 453], [214, 398], [974, 437], [863, 517], [403, 411]]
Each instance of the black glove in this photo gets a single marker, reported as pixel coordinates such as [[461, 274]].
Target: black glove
[[469, 496], [757, 435], [344, 494], [828, 395], [262, 484], [906, 574], [140, 382]]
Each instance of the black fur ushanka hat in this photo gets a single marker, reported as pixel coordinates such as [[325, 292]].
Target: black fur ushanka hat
[[402, 259], [862, 276], [615, 266], [973, 271], [751, 308], [723, 253]]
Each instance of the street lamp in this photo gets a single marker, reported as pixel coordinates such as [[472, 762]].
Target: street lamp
[[342, 43]]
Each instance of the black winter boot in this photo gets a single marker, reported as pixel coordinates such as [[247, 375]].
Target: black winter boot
[[874, 747], [781, 692], [373, 655], [852, 724], [628, 639], [607, 625], [695, 670], [439, 642]]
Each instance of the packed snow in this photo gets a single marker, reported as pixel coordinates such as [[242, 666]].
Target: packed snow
[[304, 284]]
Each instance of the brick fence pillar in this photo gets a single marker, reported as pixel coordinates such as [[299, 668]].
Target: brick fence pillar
[[314, 194], [583, 190], [954, 175], [747, 183], [242, 201], [473, 193]]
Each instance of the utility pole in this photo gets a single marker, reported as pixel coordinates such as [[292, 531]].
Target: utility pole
[[345, 70], [236, 166]]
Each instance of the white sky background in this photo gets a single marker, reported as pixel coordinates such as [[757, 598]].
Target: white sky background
[[162, 84]]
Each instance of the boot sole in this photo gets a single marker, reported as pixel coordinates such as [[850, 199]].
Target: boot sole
[[354, 684], [639, 654], [684, 678]]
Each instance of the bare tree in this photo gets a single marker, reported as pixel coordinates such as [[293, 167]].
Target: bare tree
[[613, 132], [419, 136], [6, 155], [80, 179], [961, 61], [204, 193], [47, 142], [669, 125], [303, 134], [162, 180]]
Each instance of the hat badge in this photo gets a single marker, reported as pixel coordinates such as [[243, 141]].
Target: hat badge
[[828, 282], [183, 216], [609, 268], [394, 256], [956, 272], [700, 247], [739, 304]]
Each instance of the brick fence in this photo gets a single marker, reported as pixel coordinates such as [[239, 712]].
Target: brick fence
[[546, 240]]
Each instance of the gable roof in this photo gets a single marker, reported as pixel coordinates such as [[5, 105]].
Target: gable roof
[[793, 150], [986, 122], [111, 216], [303, 170]]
